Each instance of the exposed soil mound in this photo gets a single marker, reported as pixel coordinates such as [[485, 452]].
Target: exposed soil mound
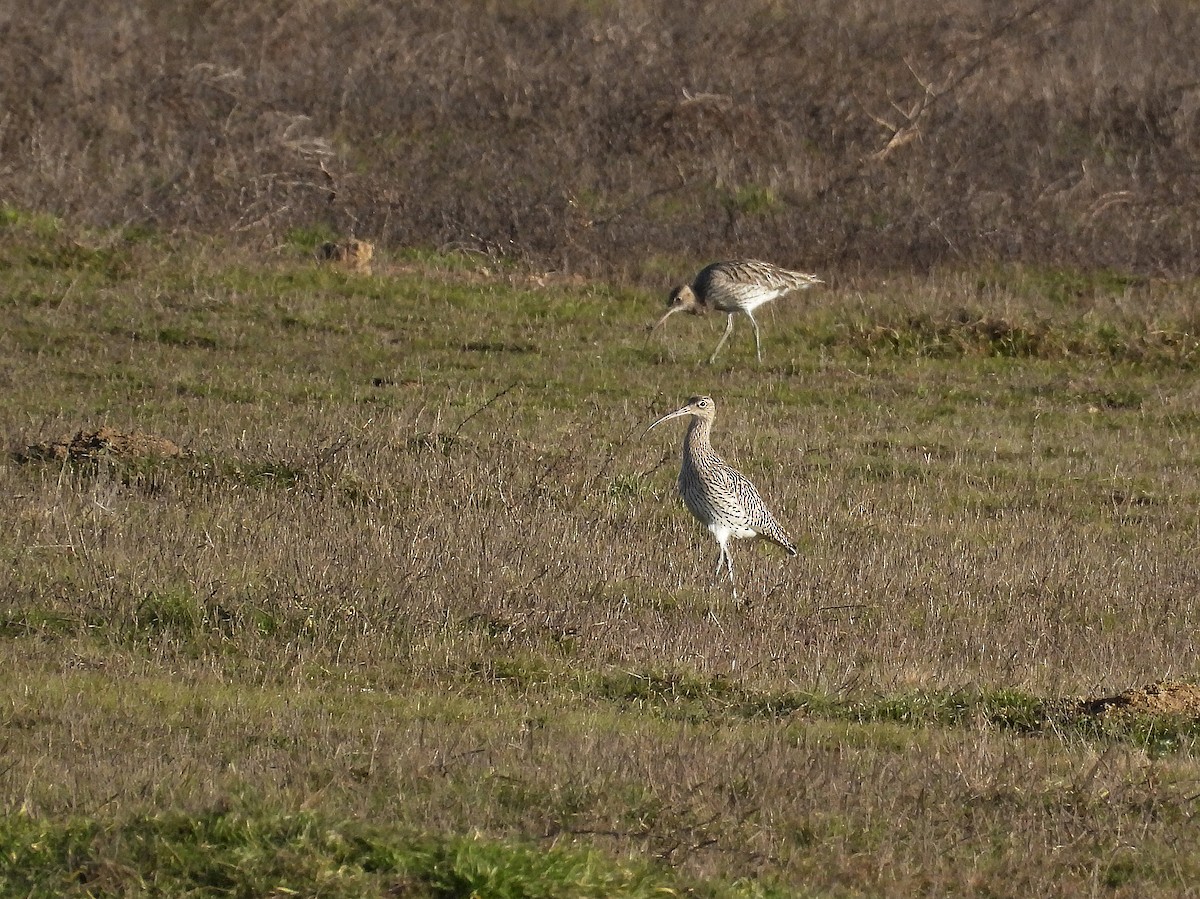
[[90, 445], [352, 254], [1166, 698]]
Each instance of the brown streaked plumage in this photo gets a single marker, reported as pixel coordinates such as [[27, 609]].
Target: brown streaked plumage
[[733, 287], [718, 495]]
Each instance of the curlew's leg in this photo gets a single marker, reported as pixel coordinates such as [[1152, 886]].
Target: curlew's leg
[[729, 568], [757, 342], [724, 337], [725, 557]]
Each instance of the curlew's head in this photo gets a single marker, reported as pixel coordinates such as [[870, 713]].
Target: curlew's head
[[682, 299], [701, 407]]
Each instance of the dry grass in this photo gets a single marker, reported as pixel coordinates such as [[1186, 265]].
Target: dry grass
[[419, 567], [409, 607], [619, 138]]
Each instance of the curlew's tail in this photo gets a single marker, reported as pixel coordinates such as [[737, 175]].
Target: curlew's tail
[[802, 280]]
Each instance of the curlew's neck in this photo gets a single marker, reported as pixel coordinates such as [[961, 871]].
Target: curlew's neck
[[698, 443]]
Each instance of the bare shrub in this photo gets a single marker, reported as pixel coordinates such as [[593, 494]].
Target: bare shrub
[[600, 139]]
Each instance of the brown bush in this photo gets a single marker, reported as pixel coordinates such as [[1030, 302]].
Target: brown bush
[[599, 137]]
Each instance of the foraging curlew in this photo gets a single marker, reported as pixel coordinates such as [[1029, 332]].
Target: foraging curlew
[[718, 495], [734, 287]]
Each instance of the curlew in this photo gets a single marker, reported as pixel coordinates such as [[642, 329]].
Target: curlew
[[720, 496], [734, 287]]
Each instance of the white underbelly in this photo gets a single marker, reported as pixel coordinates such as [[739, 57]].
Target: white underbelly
[[724, 531]]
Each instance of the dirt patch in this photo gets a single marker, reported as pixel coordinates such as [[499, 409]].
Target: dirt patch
[[352, 254], [1166, 698], [90, 445]]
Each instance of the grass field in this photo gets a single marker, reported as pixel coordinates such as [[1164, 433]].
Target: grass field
[[418, 613]]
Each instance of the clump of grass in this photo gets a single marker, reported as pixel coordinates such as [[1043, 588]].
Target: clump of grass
[[938, 335], [176, 612], [682, 696], [306, 240], [1061, 286]]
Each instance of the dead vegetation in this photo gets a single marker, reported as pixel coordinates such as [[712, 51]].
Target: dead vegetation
[[104, 442], [419, 565], [601, 138]]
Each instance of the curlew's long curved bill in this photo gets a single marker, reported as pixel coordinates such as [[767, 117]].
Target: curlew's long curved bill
[[678, 412], [671, 311]]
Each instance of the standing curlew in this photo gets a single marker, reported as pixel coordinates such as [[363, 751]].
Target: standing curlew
[[734, 287], [718, 495]]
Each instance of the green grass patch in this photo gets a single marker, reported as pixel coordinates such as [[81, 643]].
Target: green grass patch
[[257, 852], [1061, 286]]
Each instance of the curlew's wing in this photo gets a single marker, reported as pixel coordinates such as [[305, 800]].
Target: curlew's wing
[[748, 282], [751, 508]]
